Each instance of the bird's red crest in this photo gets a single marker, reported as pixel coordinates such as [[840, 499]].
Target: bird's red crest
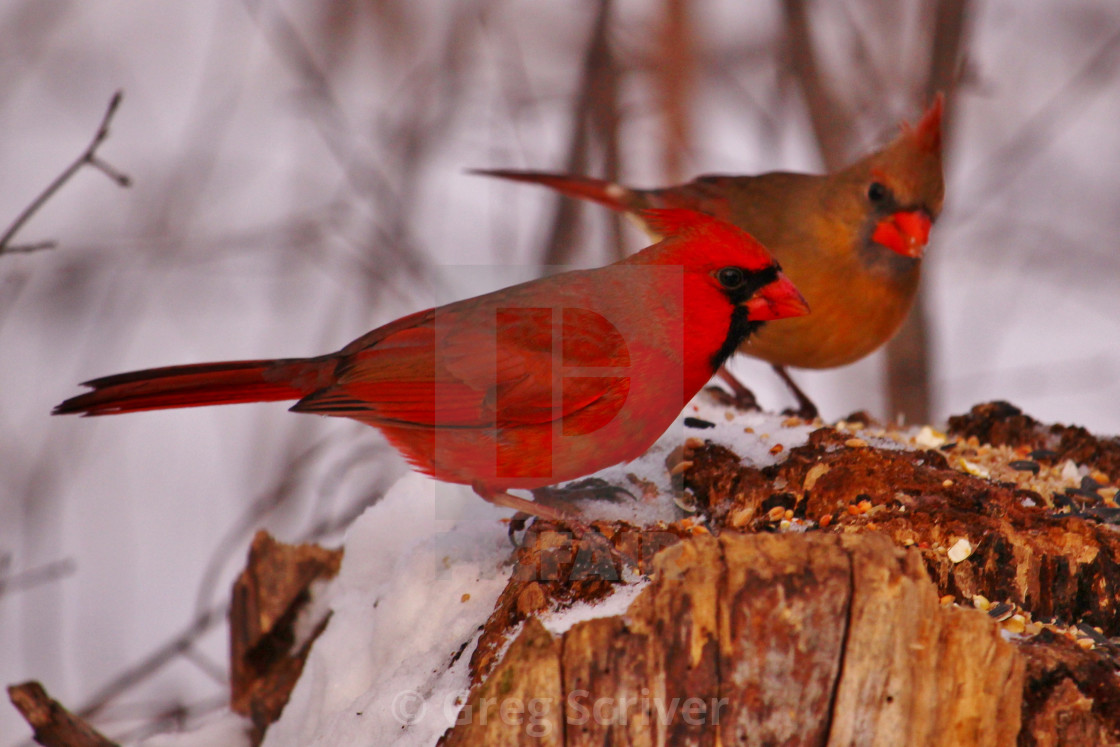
[[681, 223], [927, 133]]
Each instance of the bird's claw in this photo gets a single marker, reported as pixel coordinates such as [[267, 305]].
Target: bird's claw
[[589, 489]]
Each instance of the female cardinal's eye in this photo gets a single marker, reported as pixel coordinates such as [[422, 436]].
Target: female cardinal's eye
[[876, 192], [731, 277]]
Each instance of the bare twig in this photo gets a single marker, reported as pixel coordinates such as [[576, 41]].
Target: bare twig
[[360, 165], [87, 158], [155, 661], [299, 461], [54, 726], [1029, 141], [37, 576]]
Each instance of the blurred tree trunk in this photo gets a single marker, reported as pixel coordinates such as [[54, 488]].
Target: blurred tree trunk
[[908, 359], [674, 66], [594, 120]]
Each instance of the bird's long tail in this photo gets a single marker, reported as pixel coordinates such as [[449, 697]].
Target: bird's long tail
[[612, 195], [224, 383]]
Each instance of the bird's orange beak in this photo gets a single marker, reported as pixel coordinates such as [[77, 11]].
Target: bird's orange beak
[[777, 300], [905, 233]]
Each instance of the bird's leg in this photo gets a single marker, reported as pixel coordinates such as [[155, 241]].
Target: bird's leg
[[806, 410], [526, 509], [744, 398], [521, 505]]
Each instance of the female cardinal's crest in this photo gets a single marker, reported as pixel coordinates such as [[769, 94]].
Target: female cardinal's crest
[[927, 133]]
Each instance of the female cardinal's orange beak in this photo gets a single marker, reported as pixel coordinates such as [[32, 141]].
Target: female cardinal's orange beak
[[777, 300], [904, 233]]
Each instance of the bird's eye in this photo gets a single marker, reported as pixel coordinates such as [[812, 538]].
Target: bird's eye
[[876, 192], [731, 277]]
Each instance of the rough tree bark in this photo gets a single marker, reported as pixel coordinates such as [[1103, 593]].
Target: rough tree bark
[[872, 629]]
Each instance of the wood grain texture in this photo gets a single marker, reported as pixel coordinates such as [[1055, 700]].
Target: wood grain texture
[[795, 639]]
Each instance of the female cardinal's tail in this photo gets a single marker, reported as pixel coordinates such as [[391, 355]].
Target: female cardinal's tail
[[223, 383], [612, 195]]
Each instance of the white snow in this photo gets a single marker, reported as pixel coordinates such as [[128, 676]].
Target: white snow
[[561, 621]]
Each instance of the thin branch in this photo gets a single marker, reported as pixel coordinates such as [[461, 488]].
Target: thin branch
[[87, 158], [254, 516], [155, 661], [37, 576], [1030, 141], [54, 725]]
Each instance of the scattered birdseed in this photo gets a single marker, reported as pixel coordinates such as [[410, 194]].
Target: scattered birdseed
[[1094, 634], [681, 467], [960, 550], [685, 505], [855, 443], [1015, 624], [929, 438], [1070, 473], [816, 472], [975, 469], [980, 602], [1001, 611], [741, 516], [465, 598], [776, 449], [691, 422], [1024, 465]]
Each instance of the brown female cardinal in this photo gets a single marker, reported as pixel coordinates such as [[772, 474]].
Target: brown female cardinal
[[527, 386], [852, 241]]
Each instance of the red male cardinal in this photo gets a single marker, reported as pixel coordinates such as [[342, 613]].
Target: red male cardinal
[[527, 386], [852, 241]]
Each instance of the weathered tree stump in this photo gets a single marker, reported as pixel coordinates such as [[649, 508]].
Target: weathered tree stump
[[957, 595], [764, 639]]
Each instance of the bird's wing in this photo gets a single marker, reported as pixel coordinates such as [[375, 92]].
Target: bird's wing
[[476, 365]]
